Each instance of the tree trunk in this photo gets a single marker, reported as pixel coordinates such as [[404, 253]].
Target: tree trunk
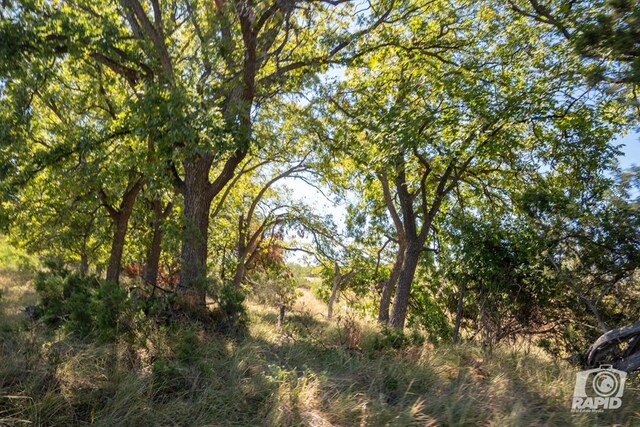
[[154, 251], [456, 329], [335, 290], [241, 269], [389, 286], [242, 252], [121, 224], [197, 202], [281, 317], [152, 262], [120, 218], [403, 291], [84, 263]]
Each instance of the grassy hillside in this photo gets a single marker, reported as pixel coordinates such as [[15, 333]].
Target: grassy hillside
[[315, 373]]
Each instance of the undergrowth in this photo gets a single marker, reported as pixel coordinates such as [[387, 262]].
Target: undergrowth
[[315, 373]]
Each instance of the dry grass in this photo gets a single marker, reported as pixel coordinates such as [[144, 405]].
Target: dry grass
[[312, 375]]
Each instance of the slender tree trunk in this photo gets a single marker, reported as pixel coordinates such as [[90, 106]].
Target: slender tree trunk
[[84, 263], [117, 246], [403, 291], [242, 252], [120, 218], [332, 298], [152, 262], [281, 317], [154, 251], [389, 286], [336, 288], [456, 329]]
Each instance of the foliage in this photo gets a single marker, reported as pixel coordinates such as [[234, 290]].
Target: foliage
[[230, 310], [391, 338], [83, 305], [470, 143], [279, 288], [428, 310]]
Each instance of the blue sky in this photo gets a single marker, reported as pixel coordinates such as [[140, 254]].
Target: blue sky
[[631, 150]]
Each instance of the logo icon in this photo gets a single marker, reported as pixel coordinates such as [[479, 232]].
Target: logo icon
[[598, 389]]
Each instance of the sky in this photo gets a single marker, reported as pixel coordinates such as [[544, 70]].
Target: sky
[[631, 150]]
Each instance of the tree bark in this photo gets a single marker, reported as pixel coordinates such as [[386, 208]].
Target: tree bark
[[241, 269], [121, 225], [336, 288], [242, 251], [197, 202], [154, 251], [403, 291], [84, 263], [198, 194], [120, 218], [389, 286]]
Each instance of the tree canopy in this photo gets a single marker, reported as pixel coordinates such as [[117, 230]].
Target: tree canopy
[[472, 142]]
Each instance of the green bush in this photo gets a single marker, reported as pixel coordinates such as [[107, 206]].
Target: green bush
[[83, 305], [231, 309], [390, 338], [109, 305], [188, 346]]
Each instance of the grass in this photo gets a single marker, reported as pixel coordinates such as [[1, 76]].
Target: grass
[[315, 373]]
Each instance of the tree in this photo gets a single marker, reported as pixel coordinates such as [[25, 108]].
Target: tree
[[592, 245], [603, 33], [196, 73], [474, 100], [71, 130]]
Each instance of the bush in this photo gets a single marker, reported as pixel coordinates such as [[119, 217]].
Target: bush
[[231, 311], [397, 339], [83, 305], [110, 302]]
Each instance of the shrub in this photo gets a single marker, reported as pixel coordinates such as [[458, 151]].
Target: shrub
[[231, 311], [110, 302], [83, 305], [397, 339]]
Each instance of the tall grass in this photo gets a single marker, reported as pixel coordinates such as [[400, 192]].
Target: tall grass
[[315, 373]]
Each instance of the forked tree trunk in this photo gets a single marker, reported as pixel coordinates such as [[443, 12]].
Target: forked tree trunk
[[120, 218], [198, 194], [403, 291], [389, 286]]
